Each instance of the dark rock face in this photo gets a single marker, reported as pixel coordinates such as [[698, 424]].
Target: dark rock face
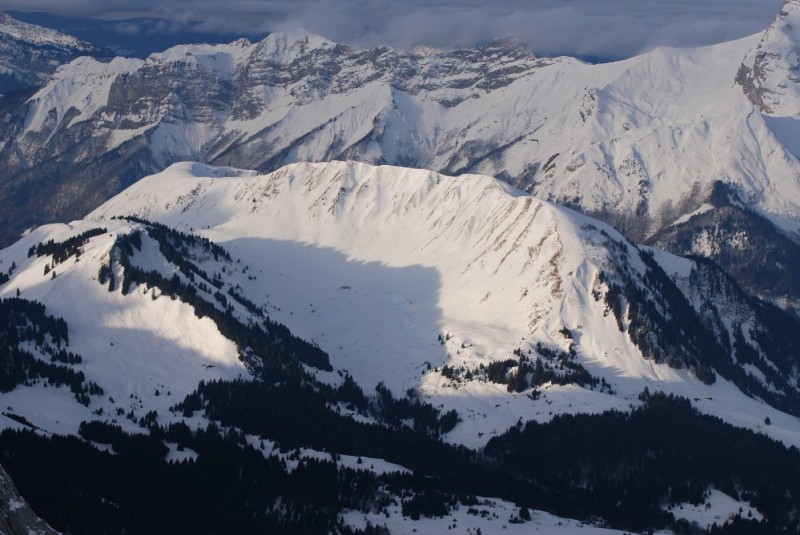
[[16, 516], [750, 248]]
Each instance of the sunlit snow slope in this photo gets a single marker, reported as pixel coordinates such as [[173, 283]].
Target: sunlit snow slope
[[397, 272], [145, 353]]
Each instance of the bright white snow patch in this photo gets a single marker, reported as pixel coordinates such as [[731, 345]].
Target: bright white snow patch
[[489, 515], [717, 508]]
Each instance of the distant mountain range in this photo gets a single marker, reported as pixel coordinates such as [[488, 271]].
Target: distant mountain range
[[135, 37], [645, 144], [30, 54]]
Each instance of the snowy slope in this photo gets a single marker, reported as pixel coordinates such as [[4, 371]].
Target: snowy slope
[[395, 273], [374, 264], [488, 517], [132, 346]]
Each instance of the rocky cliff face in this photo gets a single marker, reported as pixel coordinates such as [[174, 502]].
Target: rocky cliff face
[[16, 516], [770, 74]]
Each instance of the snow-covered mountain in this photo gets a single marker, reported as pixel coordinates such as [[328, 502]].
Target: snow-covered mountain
[[29, 54], [396, 273], [768, 73], [348, 343], [462, 294], [558, 128], [643, 143]]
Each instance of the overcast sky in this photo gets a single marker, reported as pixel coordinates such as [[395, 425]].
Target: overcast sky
[[601, 28]]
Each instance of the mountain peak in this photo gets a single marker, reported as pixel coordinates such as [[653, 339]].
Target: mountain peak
[[287, 45], [39, 35], [29, 54], [769, 73]]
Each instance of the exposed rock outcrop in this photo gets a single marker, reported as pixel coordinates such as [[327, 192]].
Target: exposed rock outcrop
[[16, 516]]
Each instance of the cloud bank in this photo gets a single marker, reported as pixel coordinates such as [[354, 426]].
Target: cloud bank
[[608, 29]]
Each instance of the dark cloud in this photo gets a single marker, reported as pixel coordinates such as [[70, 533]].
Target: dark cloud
[[600, 28]]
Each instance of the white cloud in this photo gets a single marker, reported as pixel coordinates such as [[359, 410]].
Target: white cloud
[[603, 28]]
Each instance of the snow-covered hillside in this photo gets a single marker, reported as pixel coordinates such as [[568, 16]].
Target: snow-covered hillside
[[462, 293], [30, 53], [397, 273], [132, 347]]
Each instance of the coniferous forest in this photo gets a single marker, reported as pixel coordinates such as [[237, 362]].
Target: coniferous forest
[[622, 468]]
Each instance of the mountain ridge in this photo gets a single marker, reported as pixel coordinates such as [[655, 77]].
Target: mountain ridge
[[299, 56], [404, 218], [639, 143], [31, 54], [400, 310]]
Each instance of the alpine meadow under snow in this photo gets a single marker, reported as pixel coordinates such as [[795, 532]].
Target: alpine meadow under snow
[[312, 288]]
